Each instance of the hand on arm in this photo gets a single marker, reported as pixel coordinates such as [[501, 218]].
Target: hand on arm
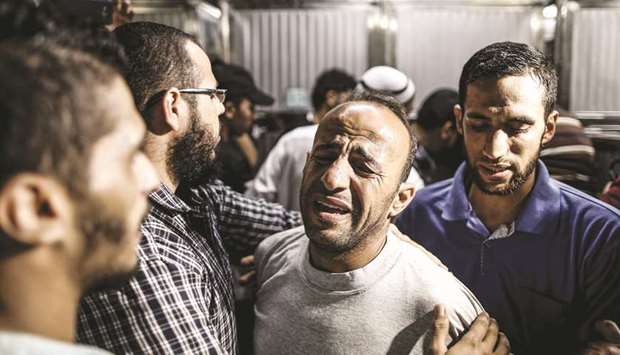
[[483, 337], [248, 277]]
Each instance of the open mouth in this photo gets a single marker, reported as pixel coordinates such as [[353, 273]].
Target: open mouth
[[495, 171], [325, 206]]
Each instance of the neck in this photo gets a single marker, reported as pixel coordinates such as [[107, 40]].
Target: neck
[[358, 257], [495, 210], [156, 150], [37, 298], [318, 115]]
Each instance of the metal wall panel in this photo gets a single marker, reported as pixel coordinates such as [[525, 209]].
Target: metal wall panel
[[595, 60], [290, 48], [434, 42]]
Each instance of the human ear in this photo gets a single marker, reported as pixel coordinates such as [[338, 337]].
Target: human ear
[[166, 116], [34, 210], [403, 197], [458, 113], [550, 125]]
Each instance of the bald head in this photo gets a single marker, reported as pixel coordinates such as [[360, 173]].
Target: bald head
[[386, 109]]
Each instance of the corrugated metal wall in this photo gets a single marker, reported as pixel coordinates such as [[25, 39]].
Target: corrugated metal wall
[[434, 42], [290, 48], [595, 60]]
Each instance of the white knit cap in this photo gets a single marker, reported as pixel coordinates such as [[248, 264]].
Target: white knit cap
[[389, 81]]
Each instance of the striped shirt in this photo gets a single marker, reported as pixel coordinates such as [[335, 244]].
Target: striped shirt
[[181, 299]]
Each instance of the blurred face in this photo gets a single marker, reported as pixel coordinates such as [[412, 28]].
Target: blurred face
[[430, 139], [504, 126], [120, 179], [243, 117], [191, 156], [352, 175]]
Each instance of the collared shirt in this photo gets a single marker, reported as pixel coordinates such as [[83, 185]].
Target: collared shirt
[[180, 301], [547, 282]]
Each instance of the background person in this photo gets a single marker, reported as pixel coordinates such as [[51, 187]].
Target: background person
[[441, 146], [237, 152]]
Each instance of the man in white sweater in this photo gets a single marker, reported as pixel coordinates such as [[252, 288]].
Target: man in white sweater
[[345, 283]]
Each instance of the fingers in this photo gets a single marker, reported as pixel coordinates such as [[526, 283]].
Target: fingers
[[490, 338], [247, 260], [478, 328], [441, 325], [503, 345], [247, 278]]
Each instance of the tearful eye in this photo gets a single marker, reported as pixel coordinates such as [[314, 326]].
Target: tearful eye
[[479, 127], [517, 129], [321, 159]]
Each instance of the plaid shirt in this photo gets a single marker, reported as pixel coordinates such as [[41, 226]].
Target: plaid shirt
[[181, 299]]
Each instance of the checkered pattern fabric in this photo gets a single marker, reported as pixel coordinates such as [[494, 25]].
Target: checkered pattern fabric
[[181, 299]]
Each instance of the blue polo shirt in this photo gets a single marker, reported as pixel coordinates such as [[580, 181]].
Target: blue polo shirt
[[549, 280]]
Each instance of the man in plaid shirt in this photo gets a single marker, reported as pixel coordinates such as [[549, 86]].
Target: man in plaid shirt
[[181, 298]]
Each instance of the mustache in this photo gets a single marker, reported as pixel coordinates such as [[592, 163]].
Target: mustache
[[502, 163]]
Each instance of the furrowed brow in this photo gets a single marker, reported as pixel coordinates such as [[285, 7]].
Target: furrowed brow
[[522, 119], [477, 116]]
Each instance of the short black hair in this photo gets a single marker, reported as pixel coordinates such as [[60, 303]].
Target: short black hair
[[51, 114], [157, 60], [503, 59], [333, 79], [392, 104], [27, 19], [437, 109]]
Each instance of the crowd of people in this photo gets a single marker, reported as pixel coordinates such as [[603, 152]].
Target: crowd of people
[[130, 186]]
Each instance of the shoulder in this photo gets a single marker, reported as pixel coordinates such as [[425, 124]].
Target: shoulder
[[594, 220], [585, 205], [438, 285], [278, 247], [429, 201], [434, 192]]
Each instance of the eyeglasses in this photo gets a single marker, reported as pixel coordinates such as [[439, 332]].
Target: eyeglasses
[[220, 94]]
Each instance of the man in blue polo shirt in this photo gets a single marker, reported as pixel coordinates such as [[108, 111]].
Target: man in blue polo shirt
[[541, 256]]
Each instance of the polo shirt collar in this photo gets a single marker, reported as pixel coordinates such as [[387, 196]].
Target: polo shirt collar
[[167, 199], [456, 204], [539, 212]]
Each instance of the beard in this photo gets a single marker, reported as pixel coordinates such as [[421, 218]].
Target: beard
[[101, 224], [191, 157], [514, 184]]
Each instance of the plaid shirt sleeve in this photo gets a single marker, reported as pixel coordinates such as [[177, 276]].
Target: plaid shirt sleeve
[[244, 222], [163, 310]]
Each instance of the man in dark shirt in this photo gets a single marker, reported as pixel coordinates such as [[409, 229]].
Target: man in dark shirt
[[441, 146], [180, 300], [542, 257], [237, 152]]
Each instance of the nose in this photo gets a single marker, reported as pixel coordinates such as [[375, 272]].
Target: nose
[[496, 145], [337, 175], [220, 107], [145, 173]]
